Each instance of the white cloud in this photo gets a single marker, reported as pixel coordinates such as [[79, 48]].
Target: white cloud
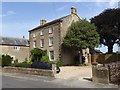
[[113, 4], [8, 14]]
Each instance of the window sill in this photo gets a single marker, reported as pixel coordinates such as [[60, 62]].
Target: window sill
[[50, 45]]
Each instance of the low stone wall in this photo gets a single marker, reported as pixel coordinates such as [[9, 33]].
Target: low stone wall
[[31, 71], [100, 74], [106, 73]]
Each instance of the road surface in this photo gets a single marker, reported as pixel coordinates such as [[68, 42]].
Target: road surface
[[10, 80]]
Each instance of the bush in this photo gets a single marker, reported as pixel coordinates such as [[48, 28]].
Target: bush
[[6, 60], [36, 54], [59, 62], [24, 64], [45, 59]]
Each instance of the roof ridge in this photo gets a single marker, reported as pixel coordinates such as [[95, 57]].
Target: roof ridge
[[13, 37], [50, 22]]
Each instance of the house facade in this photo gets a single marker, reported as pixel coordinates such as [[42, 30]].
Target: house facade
[[18, 48], [49, 36]]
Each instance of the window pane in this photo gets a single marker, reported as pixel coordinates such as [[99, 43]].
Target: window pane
[[41, 32], [42, 43], [51, 30], [34, 34], [51, 55], [50, 41], [34, 44]]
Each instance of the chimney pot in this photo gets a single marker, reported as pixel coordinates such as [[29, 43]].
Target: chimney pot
[[42, 21], [73, 10]]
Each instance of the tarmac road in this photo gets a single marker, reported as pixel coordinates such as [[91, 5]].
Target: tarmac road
[[10, 80]]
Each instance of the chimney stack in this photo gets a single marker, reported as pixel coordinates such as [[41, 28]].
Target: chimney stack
[[73, 10], [42, 21], [23, 37]]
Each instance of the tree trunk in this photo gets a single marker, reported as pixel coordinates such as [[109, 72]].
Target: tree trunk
[[110, 48]]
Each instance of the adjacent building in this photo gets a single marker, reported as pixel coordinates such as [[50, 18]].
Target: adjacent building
[[49, 36], [18, 48]]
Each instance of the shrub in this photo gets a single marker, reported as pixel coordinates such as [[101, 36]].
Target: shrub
[[36, 54], [16, 61], [6, 60], [59, 62], [24, 64], [45, 59]]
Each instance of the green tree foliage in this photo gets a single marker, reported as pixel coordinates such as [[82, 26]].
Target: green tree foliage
[[81, 35], [36, 54], [45, 59], [39, 55], [59, 62], [108, 26], [6, 60]]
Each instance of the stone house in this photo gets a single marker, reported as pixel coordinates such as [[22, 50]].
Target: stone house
[[18, 48], [49, 36]]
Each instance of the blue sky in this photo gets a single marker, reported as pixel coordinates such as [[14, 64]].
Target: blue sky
[[19, 17]]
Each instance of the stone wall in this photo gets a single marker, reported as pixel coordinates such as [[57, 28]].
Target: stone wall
[[100, 73], [114, 72], [106, 73], [31, 71]]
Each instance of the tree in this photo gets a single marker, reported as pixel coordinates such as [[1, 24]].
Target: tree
[[36, 54], [6, 60], [81, 35], [108, 26]]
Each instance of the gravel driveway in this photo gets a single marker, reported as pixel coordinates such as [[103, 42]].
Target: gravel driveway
[[75, 72]]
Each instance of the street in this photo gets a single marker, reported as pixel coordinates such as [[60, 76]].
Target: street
[[10, 80]]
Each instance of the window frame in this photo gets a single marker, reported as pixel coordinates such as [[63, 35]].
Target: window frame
[[42, 32], [50, 30], [42, 43], [51, 57], [34, 44], [34, 35], [51, 42]]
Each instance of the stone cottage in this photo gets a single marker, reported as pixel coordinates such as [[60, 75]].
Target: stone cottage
[[18, 48]]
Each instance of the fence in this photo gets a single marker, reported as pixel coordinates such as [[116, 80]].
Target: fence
[[105, 58]]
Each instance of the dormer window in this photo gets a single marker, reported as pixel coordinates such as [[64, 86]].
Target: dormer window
[[50, 30]]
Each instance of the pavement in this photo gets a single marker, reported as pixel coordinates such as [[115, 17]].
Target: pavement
[[75, 72], [15, 80]]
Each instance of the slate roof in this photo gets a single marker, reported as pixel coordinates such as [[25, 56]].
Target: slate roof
[[14, 41], [49, 23]]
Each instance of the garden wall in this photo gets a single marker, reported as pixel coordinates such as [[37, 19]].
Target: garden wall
[[31, 71], [108, 73]]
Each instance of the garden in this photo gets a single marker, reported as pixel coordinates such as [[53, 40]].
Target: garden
[[37, 56]]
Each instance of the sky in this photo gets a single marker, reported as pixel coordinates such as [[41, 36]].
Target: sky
[[20, 17]]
